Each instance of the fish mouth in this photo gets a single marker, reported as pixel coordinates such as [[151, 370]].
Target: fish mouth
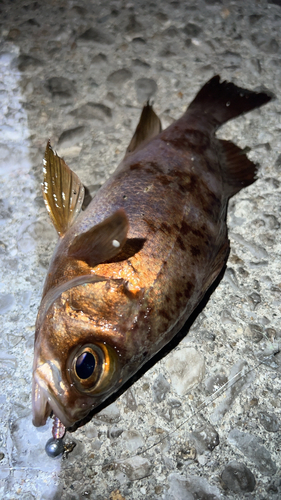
[[43, 404]]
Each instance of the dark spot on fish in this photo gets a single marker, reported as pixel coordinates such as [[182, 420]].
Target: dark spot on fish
[[180, 243], [168, 299], [180, 174], [144, 354], [181, 178], [193, 182], [165, 228], [144, 315], [178, 296], [211, 204], [176, 227], [164, 314], [188, 139], [184, 188], [151, 224], [210, 166], [152, 167], [155, 165], [198, 233], [208, 209], [214, 199], [188, 290], [195, 250], [149, 170], [185, 228], [164, 179], [135, 166]]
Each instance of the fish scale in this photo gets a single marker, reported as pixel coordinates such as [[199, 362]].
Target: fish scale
[[129, 270]]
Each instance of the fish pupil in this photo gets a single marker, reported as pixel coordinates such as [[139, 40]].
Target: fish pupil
[[85, 365]]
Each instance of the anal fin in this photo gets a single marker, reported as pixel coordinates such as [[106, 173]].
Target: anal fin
[[63, 191], [238, 170]]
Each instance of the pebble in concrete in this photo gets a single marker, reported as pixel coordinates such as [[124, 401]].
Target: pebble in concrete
[[119, 76], [92, 111], [145, 88], [134, 468], [96, 35], [269, 421], [132, 440], [238, 478], [7, 301], [186, 368], [239, 378], [60, 86], [189, 488], [160, 388], [204, 437], [251, 447]]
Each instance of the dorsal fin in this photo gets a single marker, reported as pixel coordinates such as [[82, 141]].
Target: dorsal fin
[[63, 191], [148, 127], [103, 241]]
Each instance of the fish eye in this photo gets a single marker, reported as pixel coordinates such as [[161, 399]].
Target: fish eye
[[85, 365], [93, 367]]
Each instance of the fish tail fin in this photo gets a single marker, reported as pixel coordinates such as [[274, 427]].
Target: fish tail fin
[[217, 102], [222, 101]]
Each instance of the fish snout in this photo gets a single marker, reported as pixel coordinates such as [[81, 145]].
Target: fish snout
[[48, 390], [51, 395], [44, 402]]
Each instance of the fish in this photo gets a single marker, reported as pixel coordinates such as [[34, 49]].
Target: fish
[[130, 268]]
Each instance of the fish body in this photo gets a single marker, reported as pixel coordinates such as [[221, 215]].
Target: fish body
[[129, 270]]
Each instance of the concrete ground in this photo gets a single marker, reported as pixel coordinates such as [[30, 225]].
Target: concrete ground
[[78, 72]]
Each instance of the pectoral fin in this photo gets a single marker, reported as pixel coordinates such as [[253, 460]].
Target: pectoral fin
[[63, 191], [148, 127], [103, 241]]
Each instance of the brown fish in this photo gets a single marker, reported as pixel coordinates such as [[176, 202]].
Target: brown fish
[[128, 271]]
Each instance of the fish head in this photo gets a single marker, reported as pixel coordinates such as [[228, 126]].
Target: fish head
[[77, 362]]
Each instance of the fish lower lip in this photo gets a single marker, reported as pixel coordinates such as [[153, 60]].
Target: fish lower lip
[[42, 406]]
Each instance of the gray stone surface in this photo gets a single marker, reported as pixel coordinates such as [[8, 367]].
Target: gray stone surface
[[238, 478], [76, 72], [251, 446]]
